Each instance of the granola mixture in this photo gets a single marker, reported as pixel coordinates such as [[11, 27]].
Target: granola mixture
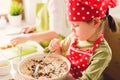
[[51, 67]]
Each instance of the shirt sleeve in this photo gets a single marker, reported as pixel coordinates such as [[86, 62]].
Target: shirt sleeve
[[57, 17], [97, 65]]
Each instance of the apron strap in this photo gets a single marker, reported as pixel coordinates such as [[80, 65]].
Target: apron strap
[[97, 43]]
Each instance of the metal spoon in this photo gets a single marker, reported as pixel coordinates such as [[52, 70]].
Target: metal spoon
[[20, 53], [37, 66]]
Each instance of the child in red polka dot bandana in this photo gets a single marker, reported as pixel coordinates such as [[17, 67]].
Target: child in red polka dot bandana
[[86, 48], [84, 10]]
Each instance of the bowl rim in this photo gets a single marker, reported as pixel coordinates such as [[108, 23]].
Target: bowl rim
[[6, 66], [38, 54]]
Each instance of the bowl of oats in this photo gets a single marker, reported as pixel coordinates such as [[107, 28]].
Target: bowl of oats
[[54, 67]]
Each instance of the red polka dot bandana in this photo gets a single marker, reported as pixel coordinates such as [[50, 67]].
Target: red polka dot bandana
[[84, 10]]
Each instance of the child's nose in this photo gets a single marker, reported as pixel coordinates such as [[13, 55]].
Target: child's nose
[[73, 29]]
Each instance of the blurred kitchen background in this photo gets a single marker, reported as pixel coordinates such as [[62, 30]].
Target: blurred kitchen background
[[30, 9], [29, 18]]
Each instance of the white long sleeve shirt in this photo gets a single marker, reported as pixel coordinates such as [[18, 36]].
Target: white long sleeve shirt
[[57, 16]]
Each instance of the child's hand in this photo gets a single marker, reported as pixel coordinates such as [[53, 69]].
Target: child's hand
[[70, 77], [28, 29], [54, 45], [19, 39]]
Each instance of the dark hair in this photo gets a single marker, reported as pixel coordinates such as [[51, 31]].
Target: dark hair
[[111, 22]]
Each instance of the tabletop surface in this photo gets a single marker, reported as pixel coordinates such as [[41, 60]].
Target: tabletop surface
[[8, 53]]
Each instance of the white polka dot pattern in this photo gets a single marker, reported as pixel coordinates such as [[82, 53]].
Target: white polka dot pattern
[[78, 66], [73, 9], [79, 58], [88, 12], [78, 13], [82, 8], [78, 4], [86, 58], [88, 8]]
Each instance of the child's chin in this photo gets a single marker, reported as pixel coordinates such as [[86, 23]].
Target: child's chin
[[81, 39]]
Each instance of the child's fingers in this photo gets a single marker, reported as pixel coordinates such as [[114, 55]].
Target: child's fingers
[[54, 44], [51, 47], [27, 30], [13, 42], [17, 40], [24, 29]]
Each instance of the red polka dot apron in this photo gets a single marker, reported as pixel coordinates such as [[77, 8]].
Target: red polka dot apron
[[79, 59]]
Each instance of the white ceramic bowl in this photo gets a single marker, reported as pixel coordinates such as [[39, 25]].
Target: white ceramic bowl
[[5, 67], [15, 63], [27, 62]]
